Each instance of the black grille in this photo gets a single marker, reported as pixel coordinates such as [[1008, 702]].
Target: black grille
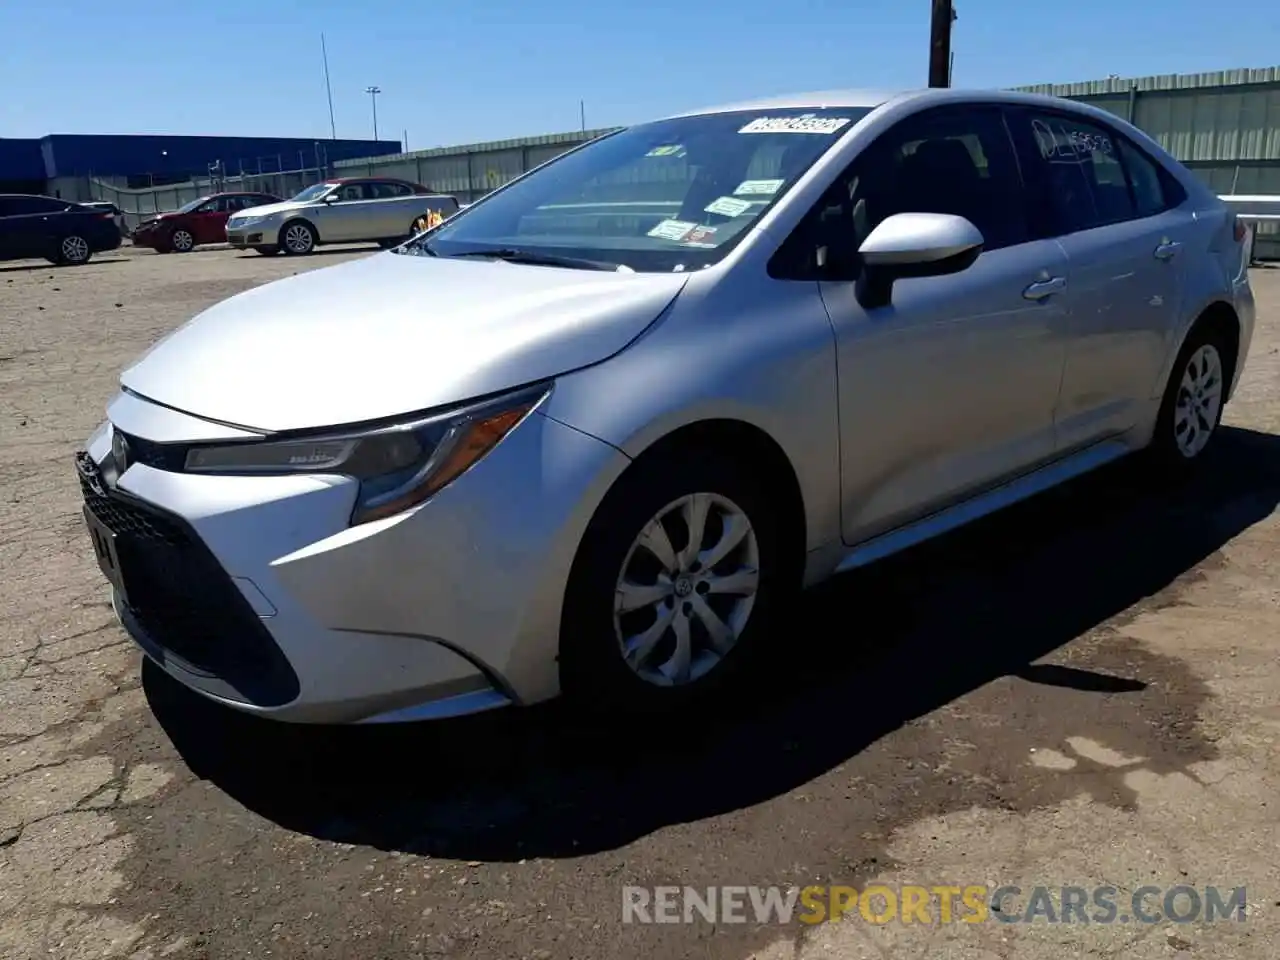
[[184, 601]]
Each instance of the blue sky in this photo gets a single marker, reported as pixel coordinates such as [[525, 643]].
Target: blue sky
[[464, 70]]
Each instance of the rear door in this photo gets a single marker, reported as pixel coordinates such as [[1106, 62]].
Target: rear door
[[1118, 221], [394, 208]]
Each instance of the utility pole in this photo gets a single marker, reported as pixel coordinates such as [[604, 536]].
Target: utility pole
[[943, 15], [373, 98]]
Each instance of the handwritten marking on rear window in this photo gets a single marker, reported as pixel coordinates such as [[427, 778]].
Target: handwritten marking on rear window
[[805, 123], [1069, 146]]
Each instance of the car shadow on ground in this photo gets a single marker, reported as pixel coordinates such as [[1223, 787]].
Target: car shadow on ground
[[20, 267], [864, 655]]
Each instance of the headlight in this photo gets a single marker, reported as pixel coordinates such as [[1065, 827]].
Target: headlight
[[398, 467], [234, 224]]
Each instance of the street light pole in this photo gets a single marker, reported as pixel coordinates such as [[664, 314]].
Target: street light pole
[[373, 98]]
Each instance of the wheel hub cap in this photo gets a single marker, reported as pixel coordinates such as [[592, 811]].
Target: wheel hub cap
[[1199, 401], [686, 590]]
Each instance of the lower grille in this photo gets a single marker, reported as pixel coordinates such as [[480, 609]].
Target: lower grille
[[184, 601]]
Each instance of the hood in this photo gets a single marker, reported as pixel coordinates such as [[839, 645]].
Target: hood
[[267, 209], [393, 334]]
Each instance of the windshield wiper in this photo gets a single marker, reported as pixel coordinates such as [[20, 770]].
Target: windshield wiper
[[512, 255]]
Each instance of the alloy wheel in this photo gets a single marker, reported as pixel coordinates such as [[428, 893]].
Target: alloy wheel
[[182, 241], [1199, 402], [75, 249], [297, 239], [679, 611]]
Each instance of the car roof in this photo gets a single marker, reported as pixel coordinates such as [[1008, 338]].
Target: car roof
[[375, 178], [870, 98]]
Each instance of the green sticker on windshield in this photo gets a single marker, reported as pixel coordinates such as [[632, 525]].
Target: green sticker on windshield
[[670, 150]]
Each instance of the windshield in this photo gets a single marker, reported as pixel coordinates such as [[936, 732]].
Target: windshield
[[314, 192], [188, 207], [666, 196]]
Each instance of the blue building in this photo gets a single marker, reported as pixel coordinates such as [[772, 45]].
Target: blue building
[[63, 164]]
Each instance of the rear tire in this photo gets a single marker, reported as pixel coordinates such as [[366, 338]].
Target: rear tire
[[73, 250], [690, 622], [298, 238], [1191, 410]]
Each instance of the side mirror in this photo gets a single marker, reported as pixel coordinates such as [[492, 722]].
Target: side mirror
[[914, 245], [330, 198]]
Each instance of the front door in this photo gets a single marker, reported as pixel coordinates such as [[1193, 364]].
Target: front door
[[344, 217], [1106, 203], [950, 388]]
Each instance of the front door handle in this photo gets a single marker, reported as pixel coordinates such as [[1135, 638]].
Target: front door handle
[[1167, 250], [1044, 288]]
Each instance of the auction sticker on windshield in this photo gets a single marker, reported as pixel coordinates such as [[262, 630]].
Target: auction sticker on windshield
[[757, 188], [669, 150], [672, 229], [806, 123], [700, 237], [728, 206]]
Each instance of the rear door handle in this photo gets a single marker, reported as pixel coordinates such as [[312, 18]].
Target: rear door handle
[[1167, 250], [1045, 288]]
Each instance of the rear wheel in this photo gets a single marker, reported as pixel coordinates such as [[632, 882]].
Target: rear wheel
[[1191, 410], [73, 249], [181, 241], [298, 238], [672, 589]]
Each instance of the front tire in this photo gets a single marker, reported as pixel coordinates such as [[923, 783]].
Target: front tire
[[656, 619], [298, 238], [1191, 410], [181, 241]]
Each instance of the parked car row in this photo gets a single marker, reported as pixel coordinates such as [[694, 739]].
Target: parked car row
[[379, 210]]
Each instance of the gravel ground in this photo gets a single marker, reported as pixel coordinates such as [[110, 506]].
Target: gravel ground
[[1080, 692]]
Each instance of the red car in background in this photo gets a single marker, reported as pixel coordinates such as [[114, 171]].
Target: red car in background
[[203, 220]]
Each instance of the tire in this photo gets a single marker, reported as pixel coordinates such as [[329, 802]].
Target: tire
[[73, 250], [298, 238], [1191, 409], [593, 670], [181, 241], [268, 251]]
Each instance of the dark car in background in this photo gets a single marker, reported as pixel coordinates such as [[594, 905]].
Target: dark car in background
[[203, 220], [61, 232], [104, 206]]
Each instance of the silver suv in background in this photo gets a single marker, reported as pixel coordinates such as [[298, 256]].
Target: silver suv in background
[[364, 209], [591, 434]]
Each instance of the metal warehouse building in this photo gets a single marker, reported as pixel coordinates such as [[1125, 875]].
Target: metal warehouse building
[[71, 166]]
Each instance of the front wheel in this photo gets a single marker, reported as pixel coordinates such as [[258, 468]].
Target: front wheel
[[298, 238], [181, 241], [1191, 410], [672, 589]]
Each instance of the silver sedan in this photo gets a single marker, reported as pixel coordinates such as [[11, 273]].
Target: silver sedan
[[588, 435]]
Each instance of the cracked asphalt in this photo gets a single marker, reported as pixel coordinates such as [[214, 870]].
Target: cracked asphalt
[[1083, 691]]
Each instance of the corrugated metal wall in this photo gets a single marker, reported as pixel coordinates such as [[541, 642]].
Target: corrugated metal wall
[[469, 172]]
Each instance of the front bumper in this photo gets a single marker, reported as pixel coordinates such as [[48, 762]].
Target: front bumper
[[255, 592], [258, 235]]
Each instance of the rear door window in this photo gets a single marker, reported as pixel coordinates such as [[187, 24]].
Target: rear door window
[[1082, 180]]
